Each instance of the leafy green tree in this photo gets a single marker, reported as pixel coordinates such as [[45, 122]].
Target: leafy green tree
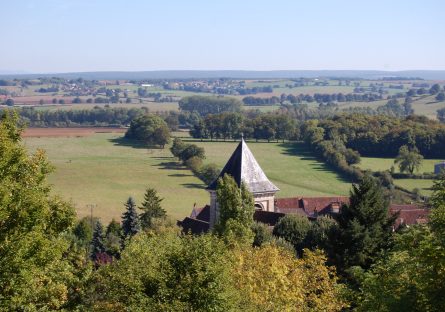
[[97, 243], [440, 97], [209, 104], [83, 230], [408, 159], [150, 129], [130, 219], [113, 236], [410, 277], [190, 151], [151, 207], [167, 273], [208, 173], [36, 271], [435, 88], [262, 234], [364, 226], [177, 147], [320, 234], [161, 136], [236, 208], [294, 229]]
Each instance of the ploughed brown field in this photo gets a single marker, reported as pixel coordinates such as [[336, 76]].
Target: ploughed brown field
[[68, 132]]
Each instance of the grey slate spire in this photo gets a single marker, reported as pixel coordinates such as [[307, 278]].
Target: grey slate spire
[[242, 166]]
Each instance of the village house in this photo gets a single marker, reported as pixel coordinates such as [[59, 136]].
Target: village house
[[243, 167]]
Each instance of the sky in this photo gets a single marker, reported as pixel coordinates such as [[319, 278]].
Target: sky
[[48, 36]]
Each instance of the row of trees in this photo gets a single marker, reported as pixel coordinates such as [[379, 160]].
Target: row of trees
[[98, 116], [228, 126], [192, 156], [317, 97], [205, 105]]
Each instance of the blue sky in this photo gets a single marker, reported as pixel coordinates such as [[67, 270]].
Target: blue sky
[[136, 35]]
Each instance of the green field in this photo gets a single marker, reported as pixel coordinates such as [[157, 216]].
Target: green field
[[103, 170], [423, 185], [380, 164], [290, 166], [99, 170]]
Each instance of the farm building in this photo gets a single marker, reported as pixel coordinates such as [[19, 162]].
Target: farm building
[[243, 167], [438, 168]]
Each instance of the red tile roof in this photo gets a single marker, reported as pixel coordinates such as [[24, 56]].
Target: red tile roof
[[308, 205], [409, 214]]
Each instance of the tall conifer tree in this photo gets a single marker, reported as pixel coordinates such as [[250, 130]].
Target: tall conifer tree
[[151, 208], [130, 219], [365, 226], [97, 243]]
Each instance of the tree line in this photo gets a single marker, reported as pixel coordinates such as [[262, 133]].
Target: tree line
[[317, 97], [227, 126], [382, 136]]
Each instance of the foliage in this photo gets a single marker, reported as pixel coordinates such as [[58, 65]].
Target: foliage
[[113, 236], [233, 125], [150, 129], [272, 279], [177, 147], [151, 209], [410, 277], [381, 136], [235, 204], [364, 226], [166, 273], [408, 159], [262, 234], [130, 219], [36, 271], [97, 243], [208, 173], [209, 104], [294, 229], [192, 150]]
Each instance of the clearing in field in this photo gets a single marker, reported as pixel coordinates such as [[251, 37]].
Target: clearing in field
[[103, 170]]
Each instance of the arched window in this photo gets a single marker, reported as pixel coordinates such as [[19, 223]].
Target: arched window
[[259, 206]]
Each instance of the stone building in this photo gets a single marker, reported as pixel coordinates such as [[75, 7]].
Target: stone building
[[243, 167]]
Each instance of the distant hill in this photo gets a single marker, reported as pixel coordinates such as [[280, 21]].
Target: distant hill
[[238, 74]]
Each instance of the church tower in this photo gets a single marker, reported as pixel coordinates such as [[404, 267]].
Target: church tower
[[243, 167]]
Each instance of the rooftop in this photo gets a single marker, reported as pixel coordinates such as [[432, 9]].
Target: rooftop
[[243, 167]]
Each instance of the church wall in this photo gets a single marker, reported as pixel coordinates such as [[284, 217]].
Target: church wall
[[266, 200]]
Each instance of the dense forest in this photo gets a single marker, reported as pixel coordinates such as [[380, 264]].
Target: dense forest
[[382, 136]]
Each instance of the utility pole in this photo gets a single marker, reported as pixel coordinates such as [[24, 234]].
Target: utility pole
[[91, 206]]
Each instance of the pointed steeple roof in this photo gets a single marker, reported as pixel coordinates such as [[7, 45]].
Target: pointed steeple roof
[[242, 166]]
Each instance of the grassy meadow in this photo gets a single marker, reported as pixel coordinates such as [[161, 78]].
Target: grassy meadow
[[380, 164], [290, 166], [103, 170]]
